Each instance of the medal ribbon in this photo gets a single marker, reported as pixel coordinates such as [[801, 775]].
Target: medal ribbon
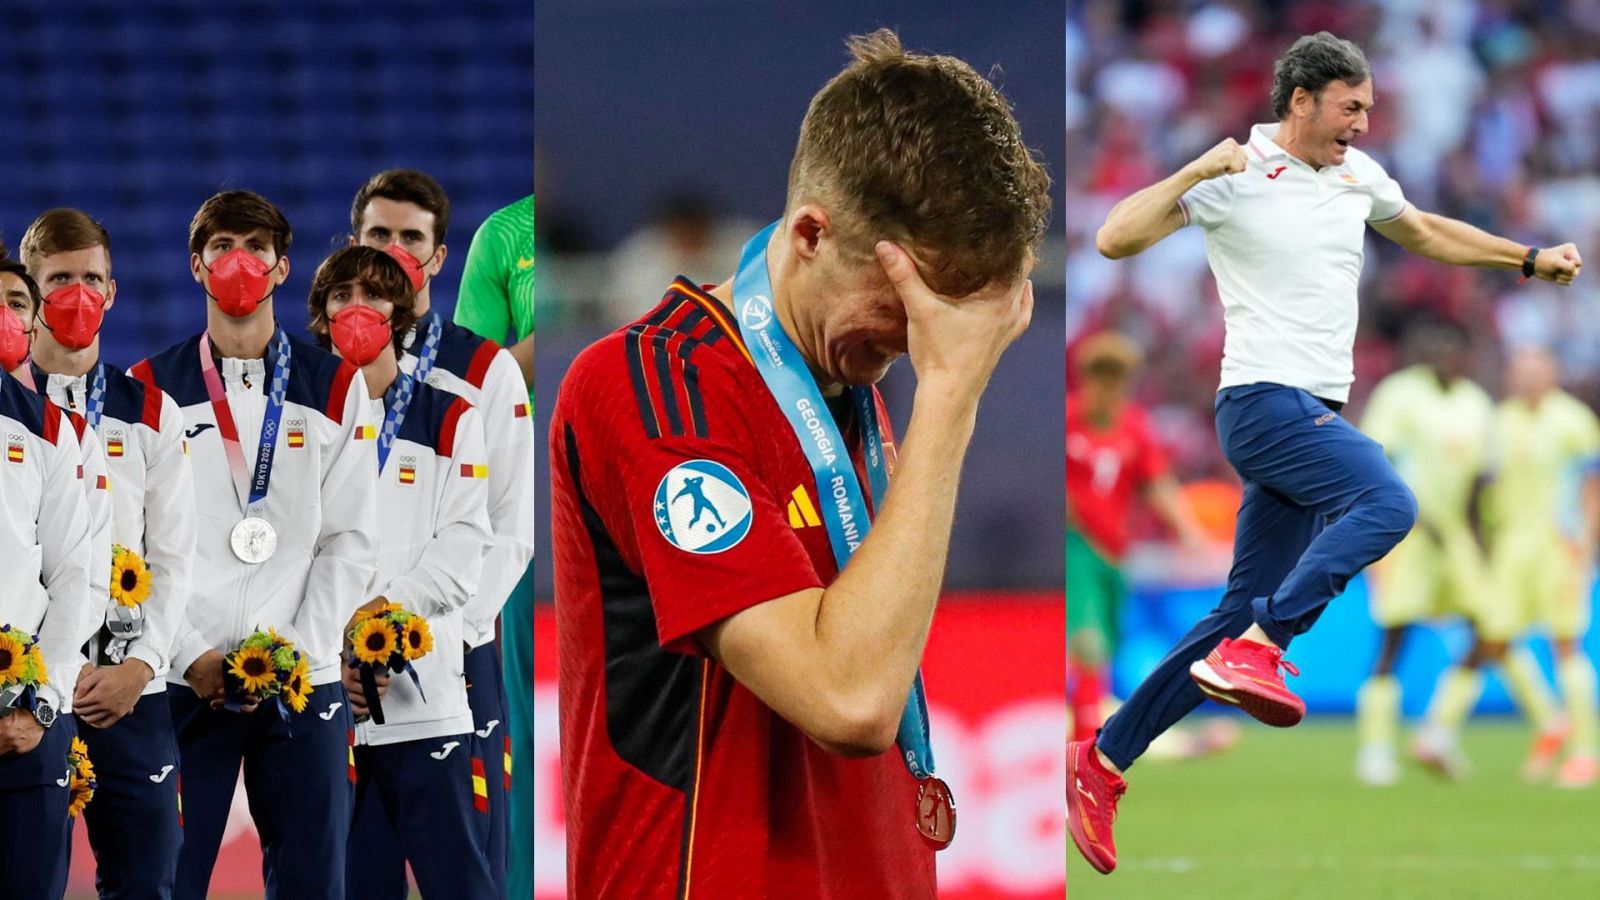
[[252, 490], [785, 373], [405, 388], [31, 376]]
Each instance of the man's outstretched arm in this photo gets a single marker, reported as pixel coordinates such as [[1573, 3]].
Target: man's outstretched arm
[[1455, 242], [1141, 219]]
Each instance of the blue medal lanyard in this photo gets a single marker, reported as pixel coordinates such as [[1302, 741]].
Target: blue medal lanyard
[[405, 389], [94, 401], [252, 489], [844, 508]]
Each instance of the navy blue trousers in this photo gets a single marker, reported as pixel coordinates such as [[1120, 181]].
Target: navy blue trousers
[[133, 818], [1321, 502], [491, 744], [296, 775], [35, 833], [414, 803]]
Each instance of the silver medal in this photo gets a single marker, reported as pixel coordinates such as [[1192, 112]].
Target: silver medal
[[254, 540]]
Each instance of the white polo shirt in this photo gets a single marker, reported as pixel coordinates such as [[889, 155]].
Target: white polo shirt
[[1285, 242]]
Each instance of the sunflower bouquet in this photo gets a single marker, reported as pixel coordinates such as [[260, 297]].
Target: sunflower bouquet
[[81, 780], [266, 666], [387, 640], [21, 663], [130, 577]]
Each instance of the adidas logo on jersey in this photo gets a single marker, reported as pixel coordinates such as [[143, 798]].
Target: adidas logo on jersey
[[802, 512]]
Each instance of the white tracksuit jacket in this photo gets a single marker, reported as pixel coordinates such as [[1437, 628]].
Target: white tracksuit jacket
[[433, 532], [55, 557], [152, 499], [488, 377], [321, 501]]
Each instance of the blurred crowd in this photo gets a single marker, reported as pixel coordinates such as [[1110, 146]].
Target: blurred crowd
[[1488, 112]]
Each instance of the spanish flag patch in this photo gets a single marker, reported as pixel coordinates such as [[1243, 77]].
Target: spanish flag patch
[[408, 474], [480, 787], [297, 438], [14, 453], [114, 447], [468, 470], [365, 432]]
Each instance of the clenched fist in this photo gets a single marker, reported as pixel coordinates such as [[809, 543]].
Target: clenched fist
[[1226, 158], [1559, 264]]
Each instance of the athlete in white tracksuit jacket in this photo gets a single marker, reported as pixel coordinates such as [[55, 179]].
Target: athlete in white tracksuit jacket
[[50, 571], [287, 540], [421, 797], [406, 213]]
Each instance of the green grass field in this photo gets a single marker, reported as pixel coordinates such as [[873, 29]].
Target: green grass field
[[1281, 816]]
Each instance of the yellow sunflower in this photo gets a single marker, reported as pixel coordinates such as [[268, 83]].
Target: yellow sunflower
[[130, 578], [297, 688], [418, 639], [37, 656], [13, 658], [253, 666], [373, 642]]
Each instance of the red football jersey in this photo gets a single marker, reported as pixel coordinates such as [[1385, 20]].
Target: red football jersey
[[1106, 470], [680, 496]]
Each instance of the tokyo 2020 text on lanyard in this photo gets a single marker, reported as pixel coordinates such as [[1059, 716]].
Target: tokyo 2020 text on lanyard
[[789, 380], [254, 540]]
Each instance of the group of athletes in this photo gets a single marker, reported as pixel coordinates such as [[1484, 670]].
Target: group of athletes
[[265, 482], [1508, 524]]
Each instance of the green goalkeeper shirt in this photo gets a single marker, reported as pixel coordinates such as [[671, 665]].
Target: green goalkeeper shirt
[[496, 298]]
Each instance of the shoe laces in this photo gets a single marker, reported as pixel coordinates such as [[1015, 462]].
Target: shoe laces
[[1275, 656], [1117, 790]]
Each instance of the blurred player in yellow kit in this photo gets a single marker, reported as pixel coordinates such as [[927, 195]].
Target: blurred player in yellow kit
[[1542, 515], [1434, 424]]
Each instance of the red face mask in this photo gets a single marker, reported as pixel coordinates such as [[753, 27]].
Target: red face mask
[[239, 282], [73, 315], [360, 333], [13, 339], [411, 264]]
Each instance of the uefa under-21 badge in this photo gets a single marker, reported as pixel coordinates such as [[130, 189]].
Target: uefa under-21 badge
[[701, 507]]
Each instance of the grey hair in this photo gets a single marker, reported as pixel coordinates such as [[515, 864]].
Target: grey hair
[[1311, 63]]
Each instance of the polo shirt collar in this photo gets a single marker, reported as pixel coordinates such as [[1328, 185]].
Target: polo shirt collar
[[1261, 143]]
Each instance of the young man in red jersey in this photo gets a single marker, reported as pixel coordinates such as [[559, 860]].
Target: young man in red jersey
[[738, 652], [1114, 460]]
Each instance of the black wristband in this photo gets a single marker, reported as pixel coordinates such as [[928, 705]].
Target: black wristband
[[1527, 262]]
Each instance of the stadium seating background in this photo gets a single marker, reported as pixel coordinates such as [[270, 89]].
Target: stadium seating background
[[136, 113]]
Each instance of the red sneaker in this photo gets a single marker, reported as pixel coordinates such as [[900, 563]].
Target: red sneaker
[[1092, 795], [1245, 674]]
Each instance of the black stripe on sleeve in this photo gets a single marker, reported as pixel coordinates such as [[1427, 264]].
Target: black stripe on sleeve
[[647, 413]]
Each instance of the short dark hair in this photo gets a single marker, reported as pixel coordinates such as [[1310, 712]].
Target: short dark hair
[[404, 186], [1311, 63], [240, 212], [62, 230], [378, 274], [922, 149], [15, 267]]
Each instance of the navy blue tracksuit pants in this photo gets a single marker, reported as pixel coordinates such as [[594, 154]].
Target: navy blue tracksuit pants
[[491, 744], [133, 818], [1321, 502], [415, 802], [299, 781], [35, 833]]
